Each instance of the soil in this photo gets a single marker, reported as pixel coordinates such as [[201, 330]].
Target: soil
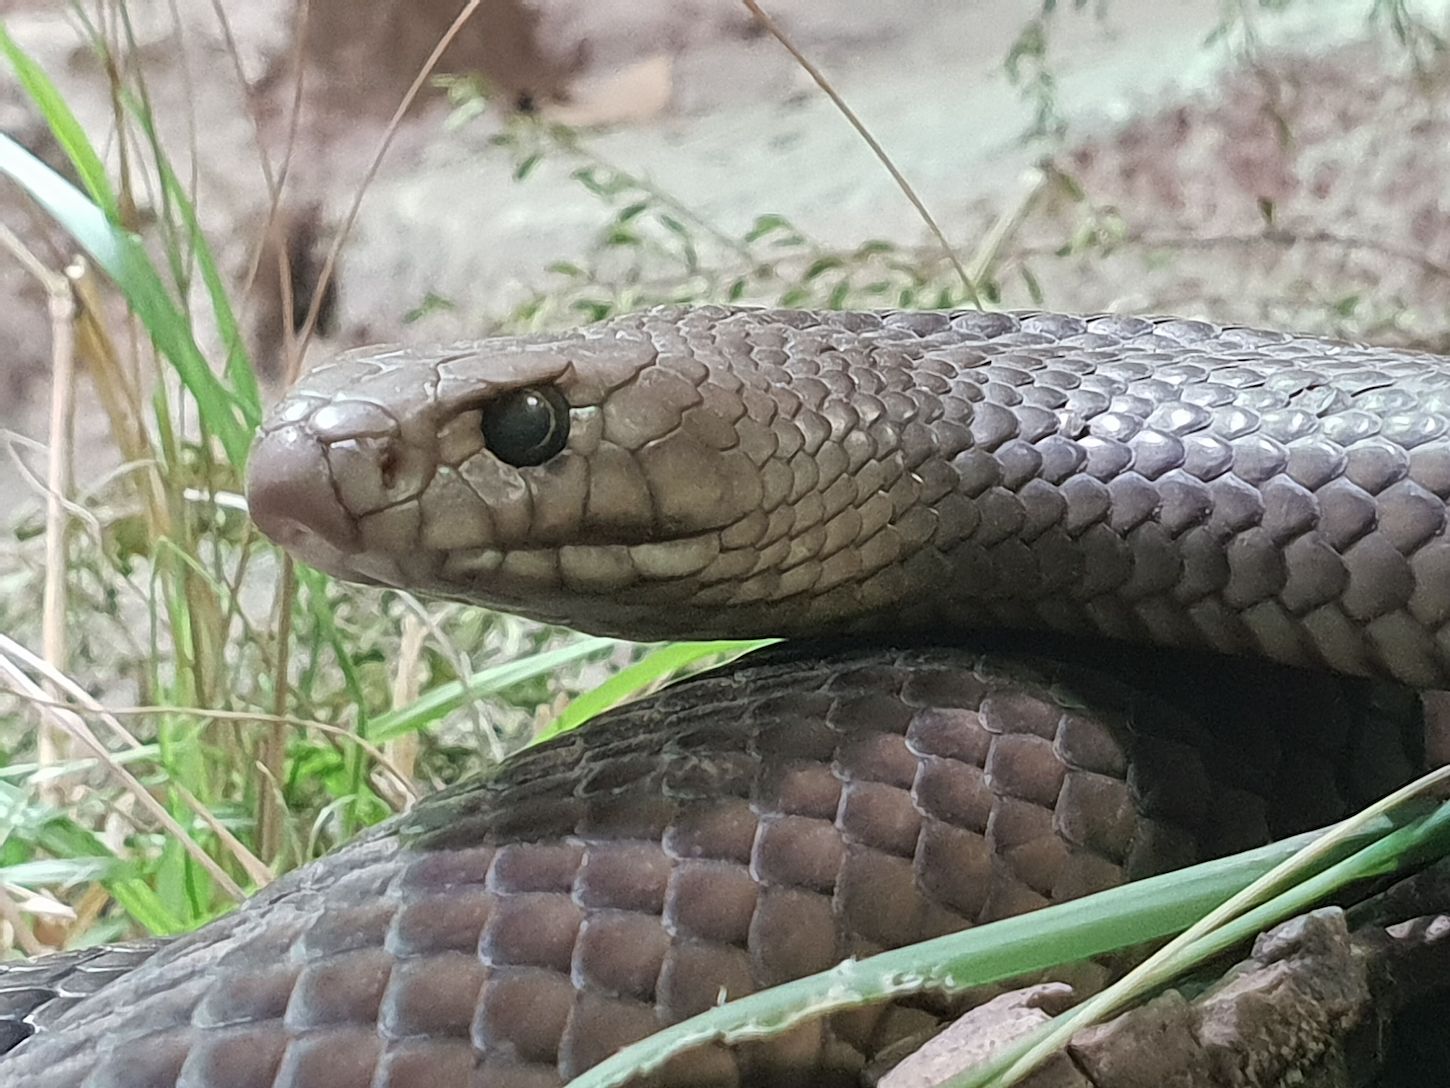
[[1300, 185]]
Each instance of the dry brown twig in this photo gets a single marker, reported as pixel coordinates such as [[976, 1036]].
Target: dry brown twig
[[67, 718], [880, 152], [329, 265], [238, 717], [60, 299], [22, 935]]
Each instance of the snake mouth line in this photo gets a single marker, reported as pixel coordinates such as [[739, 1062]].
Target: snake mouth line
[[583, 567], [507, 574]]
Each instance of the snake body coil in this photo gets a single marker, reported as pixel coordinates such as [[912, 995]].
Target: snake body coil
[[714, 472]]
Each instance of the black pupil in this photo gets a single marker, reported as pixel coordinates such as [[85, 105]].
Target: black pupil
[[526, 426]]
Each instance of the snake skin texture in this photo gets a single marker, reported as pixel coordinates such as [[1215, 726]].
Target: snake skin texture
[[740, 472], [1018, 485], [34, 993], [740, 829]]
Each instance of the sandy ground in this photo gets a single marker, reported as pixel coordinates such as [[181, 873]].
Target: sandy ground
[[1177, 137]]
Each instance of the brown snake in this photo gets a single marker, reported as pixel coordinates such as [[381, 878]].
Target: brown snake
[[984, 482]]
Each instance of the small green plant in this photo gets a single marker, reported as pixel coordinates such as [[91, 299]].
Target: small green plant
[[651, 248], [1027, 67]]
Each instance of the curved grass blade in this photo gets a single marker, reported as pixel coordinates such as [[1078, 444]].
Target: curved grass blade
[[238, 368], [446, 698], [1282, 893], [654, 668], [63, 125], [1128, 915], [63, 838]]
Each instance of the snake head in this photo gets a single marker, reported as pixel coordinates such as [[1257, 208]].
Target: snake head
[[591, 478]]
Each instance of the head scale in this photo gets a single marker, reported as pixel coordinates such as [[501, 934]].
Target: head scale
[[668, 474]]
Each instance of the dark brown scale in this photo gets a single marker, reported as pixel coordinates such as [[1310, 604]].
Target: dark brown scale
[[736, 831]]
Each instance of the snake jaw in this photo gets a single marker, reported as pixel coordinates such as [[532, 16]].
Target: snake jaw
[[578, 584]]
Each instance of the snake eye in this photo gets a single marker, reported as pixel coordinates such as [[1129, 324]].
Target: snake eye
[[526, 426]]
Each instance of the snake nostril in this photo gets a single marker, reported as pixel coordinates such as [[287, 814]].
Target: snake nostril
[[388, 464]]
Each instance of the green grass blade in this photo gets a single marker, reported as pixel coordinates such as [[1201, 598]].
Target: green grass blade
[[63, 125], [1312, 882], [64, 838], [315, 583], [1120, 917], [238, 369], [446, 698], [37, 774], [654, 668], [64, 871], [144, 905]]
